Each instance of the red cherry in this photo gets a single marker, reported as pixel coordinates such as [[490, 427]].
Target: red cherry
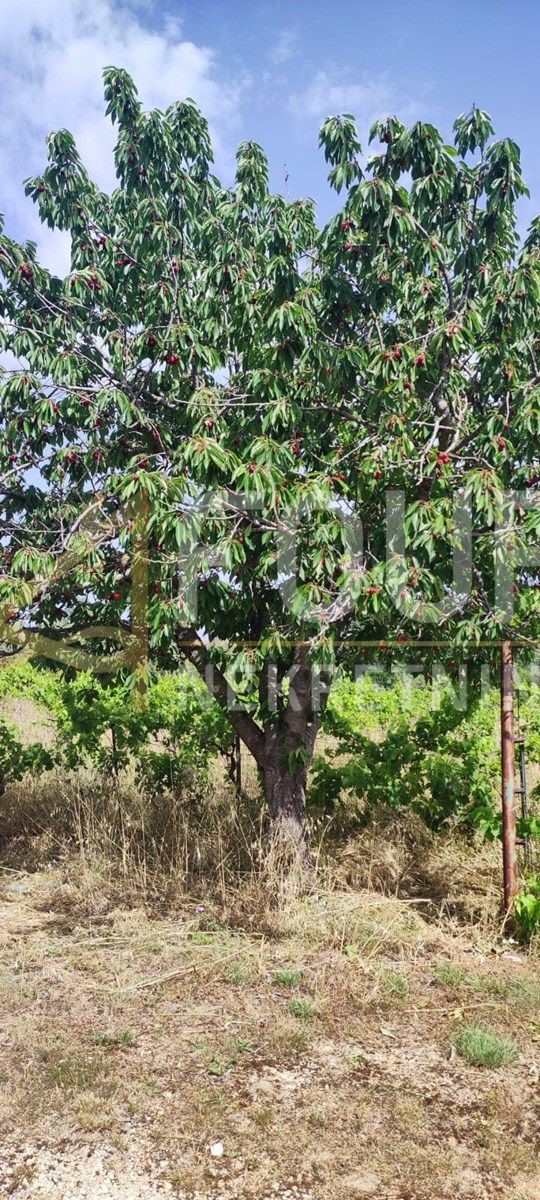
[[345, 225], [501, 444], [377, 475], [26, 270], [172, 359], [397, 353], [443, 458], [420, 360], [115, 596], [252, 467]]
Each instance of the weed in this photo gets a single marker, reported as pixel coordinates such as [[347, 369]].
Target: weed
[[263, 1116], [114, 1041], [70, 1072], [393, 985], [237, 973], [288, 979], [449, 974], [303, 1009], [203, 938], [485, 1047]]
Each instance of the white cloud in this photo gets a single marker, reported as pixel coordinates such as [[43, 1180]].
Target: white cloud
[[52, 53], [367, 100], [285, 47]]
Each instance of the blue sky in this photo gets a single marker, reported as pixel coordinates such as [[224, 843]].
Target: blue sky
[[268, 71]]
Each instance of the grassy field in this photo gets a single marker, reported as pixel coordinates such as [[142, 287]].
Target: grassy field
[[332, 1047]]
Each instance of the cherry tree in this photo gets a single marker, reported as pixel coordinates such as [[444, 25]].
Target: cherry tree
[[301, 413]]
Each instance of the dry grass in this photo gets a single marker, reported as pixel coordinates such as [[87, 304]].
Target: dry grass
[[316, 1046], [165, 983]]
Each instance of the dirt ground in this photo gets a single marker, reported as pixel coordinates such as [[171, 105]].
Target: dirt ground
[[312, 1059]]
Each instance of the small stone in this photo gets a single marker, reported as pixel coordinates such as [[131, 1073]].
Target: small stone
[[216, 1149]]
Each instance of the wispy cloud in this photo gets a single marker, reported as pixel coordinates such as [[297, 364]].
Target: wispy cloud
[[52, 53], [285, 47], [367, 99]]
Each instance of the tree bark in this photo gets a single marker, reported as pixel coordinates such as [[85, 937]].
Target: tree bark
[[283, 749], [285, 794], [289, 744]]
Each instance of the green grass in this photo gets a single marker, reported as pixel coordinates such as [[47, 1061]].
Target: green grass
[[393, 985], [113, 1041], [485, 1047], [288, 979], [303, 1009], [449, 974], [237, 973]]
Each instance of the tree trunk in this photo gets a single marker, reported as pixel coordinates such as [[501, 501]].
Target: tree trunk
[[283, 750], [287, 755], [285, 794]]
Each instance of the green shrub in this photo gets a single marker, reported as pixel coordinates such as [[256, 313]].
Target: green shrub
[[168, 744], [16, 760], [527, 908], [485, 1047], [393, 749]]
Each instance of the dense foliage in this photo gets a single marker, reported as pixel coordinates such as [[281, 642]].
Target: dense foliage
[[168, 745], [392, 746], [260, 383]]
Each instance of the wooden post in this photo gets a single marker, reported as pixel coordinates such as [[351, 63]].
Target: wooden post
[[508, 765]]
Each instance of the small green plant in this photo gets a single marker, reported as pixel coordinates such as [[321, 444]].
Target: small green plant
[[237, 973], [202, 937], [302, 1009], [263, 1116], [449, 974], [393, 985], [485, 1047], [527, 909], [114, 1041], [288, 979]]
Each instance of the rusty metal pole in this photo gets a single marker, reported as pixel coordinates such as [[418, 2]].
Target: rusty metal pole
[[508, 764], [238, 766]]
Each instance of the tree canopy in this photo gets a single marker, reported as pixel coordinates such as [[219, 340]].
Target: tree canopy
[[261, 384]]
